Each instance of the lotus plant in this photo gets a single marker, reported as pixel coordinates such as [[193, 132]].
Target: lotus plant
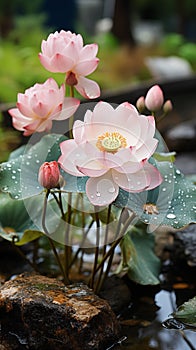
[[112, 147], [111, 173]]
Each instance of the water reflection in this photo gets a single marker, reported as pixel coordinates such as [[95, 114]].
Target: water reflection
[[154, 335]]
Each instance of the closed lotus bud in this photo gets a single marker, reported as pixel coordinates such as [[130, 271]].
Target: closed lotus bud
[[49, 175], [167, 107], [154, 98], [140, 104]]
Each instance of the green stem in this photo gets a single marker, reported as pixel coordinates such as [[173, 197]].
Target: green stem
[[65, 277], [71, 119], [116, 242], [59, 202], [67, 249], [99, 283], [92, 278], [80, 247]]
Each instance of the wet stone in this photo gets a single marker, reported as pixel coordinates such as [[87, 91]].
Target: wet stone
[[38, 312], [185, 243]]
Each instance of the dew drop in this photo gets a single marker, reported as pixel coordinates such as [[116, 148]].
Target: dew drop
[[13, 177], [98, 194], [163, 189], [178, 172], [111, 190], [171, 216], [16, 197], [5, 188], [37, 161], [92, 196]]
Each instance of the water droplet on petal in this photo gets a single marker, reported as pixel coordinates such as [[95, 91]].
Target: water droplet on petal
[[111, 190], [98, 194]]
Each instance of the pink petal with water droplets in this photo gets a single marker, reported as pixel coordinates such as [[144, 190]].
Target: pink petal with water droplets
[[136, 182], [102, 190]]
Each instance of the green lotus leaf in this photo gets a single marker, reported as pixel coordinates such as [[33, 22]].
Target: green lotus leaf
[[139, 259], [171, 204], [19, 176], [186, 313]]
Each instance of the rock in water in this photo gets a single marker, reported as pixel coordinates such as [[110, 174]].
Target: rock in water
[[38, 312]]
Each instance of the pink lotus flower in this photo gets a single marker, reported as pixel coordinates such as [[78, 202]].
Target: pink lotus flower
[[39, 105], [112, 147], [154, 98], [64, 52], [49, 175]]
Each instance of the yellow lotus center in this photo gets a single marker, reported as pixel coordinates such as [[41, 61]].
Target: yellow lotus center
[[111, 142]]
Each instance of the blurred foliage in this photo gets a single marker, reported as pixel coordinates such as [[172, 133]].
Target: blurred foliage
[[19, 64], [9, 140], [20, 6], [176, 44]]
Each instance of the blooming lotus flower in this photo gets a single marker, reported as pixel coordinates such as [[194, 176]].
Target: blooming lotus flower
[[154, 98], [49, 175], [64, 52], [39, 105], [112, 147]]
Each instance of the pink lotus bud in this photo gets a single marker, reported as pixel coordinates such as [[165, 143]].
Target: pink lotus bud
[[49, 175], [154, 99], [167, 107], [140, 104]]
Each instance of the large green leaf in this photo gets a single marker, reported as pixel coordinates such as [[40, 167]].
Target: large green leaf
[[138, 257], [186, 313], [19, 176], [173, 203], [16, 225]]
